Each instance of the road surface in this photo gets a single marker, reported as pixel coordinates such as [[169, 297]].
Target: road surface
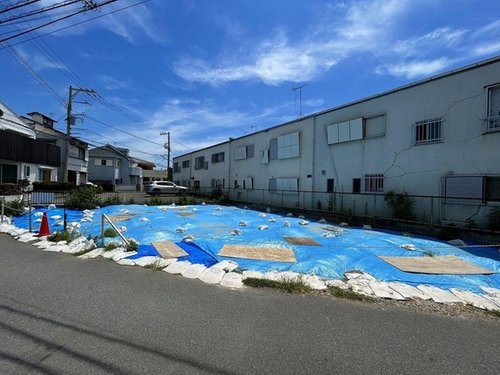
[[61, 315]]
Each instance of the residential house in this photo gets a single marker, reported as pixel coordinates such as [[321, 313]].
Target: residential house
[[113, 165], [22, 153], [434, 137], [78, 149]]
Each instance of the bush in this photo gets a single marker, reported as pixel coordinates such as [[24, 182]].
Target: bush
[[185, 200], [10, 189], [52, 186], [111, 201], [110, 232], [83, 198], [154, 201], [14, 208], [132, 246], [402, 205], [494, 219], [131, 201], [60, 236]]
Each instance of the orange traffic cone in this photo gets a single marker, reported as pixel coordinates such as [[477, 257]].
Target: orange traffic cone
[[44, 226]]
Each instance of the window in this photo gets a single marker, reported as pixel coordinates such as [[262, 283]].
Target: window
[[248, 183], [176, 168], [199, 162], [197, 184], [118, 164], [493, 120], [345, 131], [374, 126], [240, 153], [467, 189], [273, 149], [27, 171], [177, 182], [264, 156], [218, 158], [356, 185], [288, 146], [103, 162], [213, 183], [8, 174], [244, 152], [428, 131], [374, 183], [81, 153], [493, 189], [287, 185], [329, 185], [272, 185], [236, 184], [185, 164]]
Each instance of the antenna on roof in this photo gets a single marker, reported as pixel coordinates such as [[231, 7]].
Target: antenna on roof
[[299, 88]]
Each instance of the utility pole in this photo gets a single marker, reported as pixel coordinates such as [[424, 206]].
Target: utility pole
[[70, 120], [167, 147], [300, 97]]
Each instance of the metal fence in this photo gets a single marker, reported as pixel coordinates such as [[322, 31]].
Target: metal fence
[[424, 209]]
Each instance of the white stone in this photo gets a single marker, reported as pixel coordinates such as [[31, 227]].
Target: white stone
[[56, 217], [166, 262], [193, 271], [111, 253], [303, 222], [242, 223], [439, 295], [367, 227], [38, 214], [359, 275], [177, 267], [235, 232], [232, 280], [491, 291], [337, 283], [344, 224], [52, 206], [253, 275], [180, 230], [272, 220], [322, 221], [122, 229], [93, 253], [263, 227], [314, 282], [287, 224], [144, 219], [289, 214], [301, 217], [123, 255], [408, 246], [218, 208], [226, 265], [126, 262], [408, 291], [262, 214], [361, 287], [381, 289], [474, 299], [212, 275], [146, 261]]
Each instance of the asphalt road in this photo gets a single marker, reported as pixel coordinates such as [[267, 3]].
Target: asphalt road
[[60, 314]]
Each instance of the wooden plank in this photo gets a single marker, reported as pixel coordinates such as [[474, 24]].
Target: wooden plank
[[440, 265], [168, 249], [306, 241], [275, 254]]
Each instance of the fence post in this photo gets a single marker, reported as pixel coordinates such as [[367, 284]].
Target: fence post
[[102, 228], [3, 207], [29, 213], [432, 211], [65, 216]]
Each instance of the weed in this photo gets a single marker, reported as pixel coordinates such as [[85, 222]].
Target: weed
[[428, 253], [154, 201], [156, 266], [110, 232], [132, 246], [112, 201], [494, 218], [14, 208], [285, 285], [85, 197], [402, 205], [111, 246], [60, 236], [494, 313], [83, 252], [131, 201], [347, 294]]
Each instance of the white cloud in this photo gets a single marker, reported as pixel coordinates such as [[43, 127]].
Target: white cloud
[[278, 59], [111, 83], [415, 68], [40, 62], [443, 37], [487, 49]]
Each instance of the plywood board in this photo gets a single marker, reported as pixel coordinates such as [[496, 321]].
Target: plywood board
[[168, 249], [440, 265], [275, 254], [185, 213], [118, 218], [307, 241]]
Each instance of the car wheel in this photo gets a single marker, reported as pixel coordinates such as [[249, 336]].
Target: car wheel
[[156, 192]]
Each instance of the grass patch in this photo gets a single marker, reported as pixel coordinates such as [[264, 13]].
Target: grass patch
[[347, 294], [132, 246], [429, 253], [493, 313], [288, 286], [62, 235], [155, 201], [111, 246], [156, 266], [110, 232], [83, 252]]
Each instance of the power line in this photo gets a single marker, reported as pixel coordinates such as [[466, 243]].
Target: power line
[[39, 11], [96, 6], [79, 23], [19, 4]]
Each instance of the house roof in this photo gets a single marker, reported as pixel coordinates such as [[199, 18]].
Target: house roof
[[50, 129], [9, 120], [142, 161], [489, 61], [41, 114]]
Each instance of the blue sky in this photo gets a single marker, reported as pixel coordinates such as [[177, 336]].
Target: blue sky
[[208, 70]]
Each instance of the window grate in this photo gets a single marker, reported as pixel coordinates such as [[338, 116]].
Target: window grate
[[374, 183], [428, 131]]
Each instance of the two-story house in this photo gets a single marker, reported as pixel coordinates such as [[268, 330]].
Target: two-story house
[[113, 165], [22, 153], [78, 155]]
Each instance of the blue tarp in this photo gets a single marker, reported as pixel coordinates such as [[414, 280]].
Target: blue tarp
[[353, 249]]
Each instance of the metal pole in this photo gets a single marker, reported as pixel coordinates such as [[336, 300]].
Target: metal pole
[[432, 212], [29, 213], [102, 227], [3, 207]]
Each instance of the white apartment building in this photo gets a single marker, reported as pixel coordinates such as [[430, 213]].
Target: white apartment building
[[436, 137]]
